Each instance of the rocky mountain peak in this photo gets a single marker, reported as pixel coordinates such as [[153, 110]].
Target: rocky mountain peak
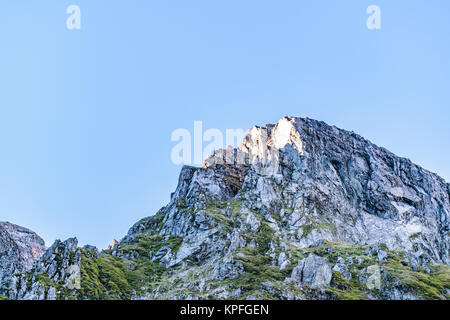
[[299, 186], [23, 242], [19, 249]]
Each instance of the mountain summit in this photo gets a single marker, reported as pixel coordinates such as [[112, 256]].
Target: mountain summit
[[300, 210]]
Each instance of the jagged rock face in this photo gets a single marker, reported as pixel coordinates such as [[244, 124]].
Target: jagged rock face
[[303, 186], [56, 275], [367, 193], [19, 249]]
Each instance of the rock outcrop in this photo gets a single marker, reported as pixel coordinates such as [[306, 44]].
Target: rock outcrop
[[313, 271], [55, 275], [19, 249]]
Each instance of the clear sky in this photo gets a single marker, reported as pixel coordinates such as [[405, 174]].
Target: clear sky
[[86, 115]]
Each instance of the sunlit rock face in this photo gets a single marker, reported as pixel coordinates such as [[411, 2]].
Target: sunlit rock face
[[26, 244], [19, 249]]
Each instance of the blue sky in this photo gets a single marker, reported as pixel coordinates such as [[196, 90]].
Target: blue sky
[[86, 115]]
